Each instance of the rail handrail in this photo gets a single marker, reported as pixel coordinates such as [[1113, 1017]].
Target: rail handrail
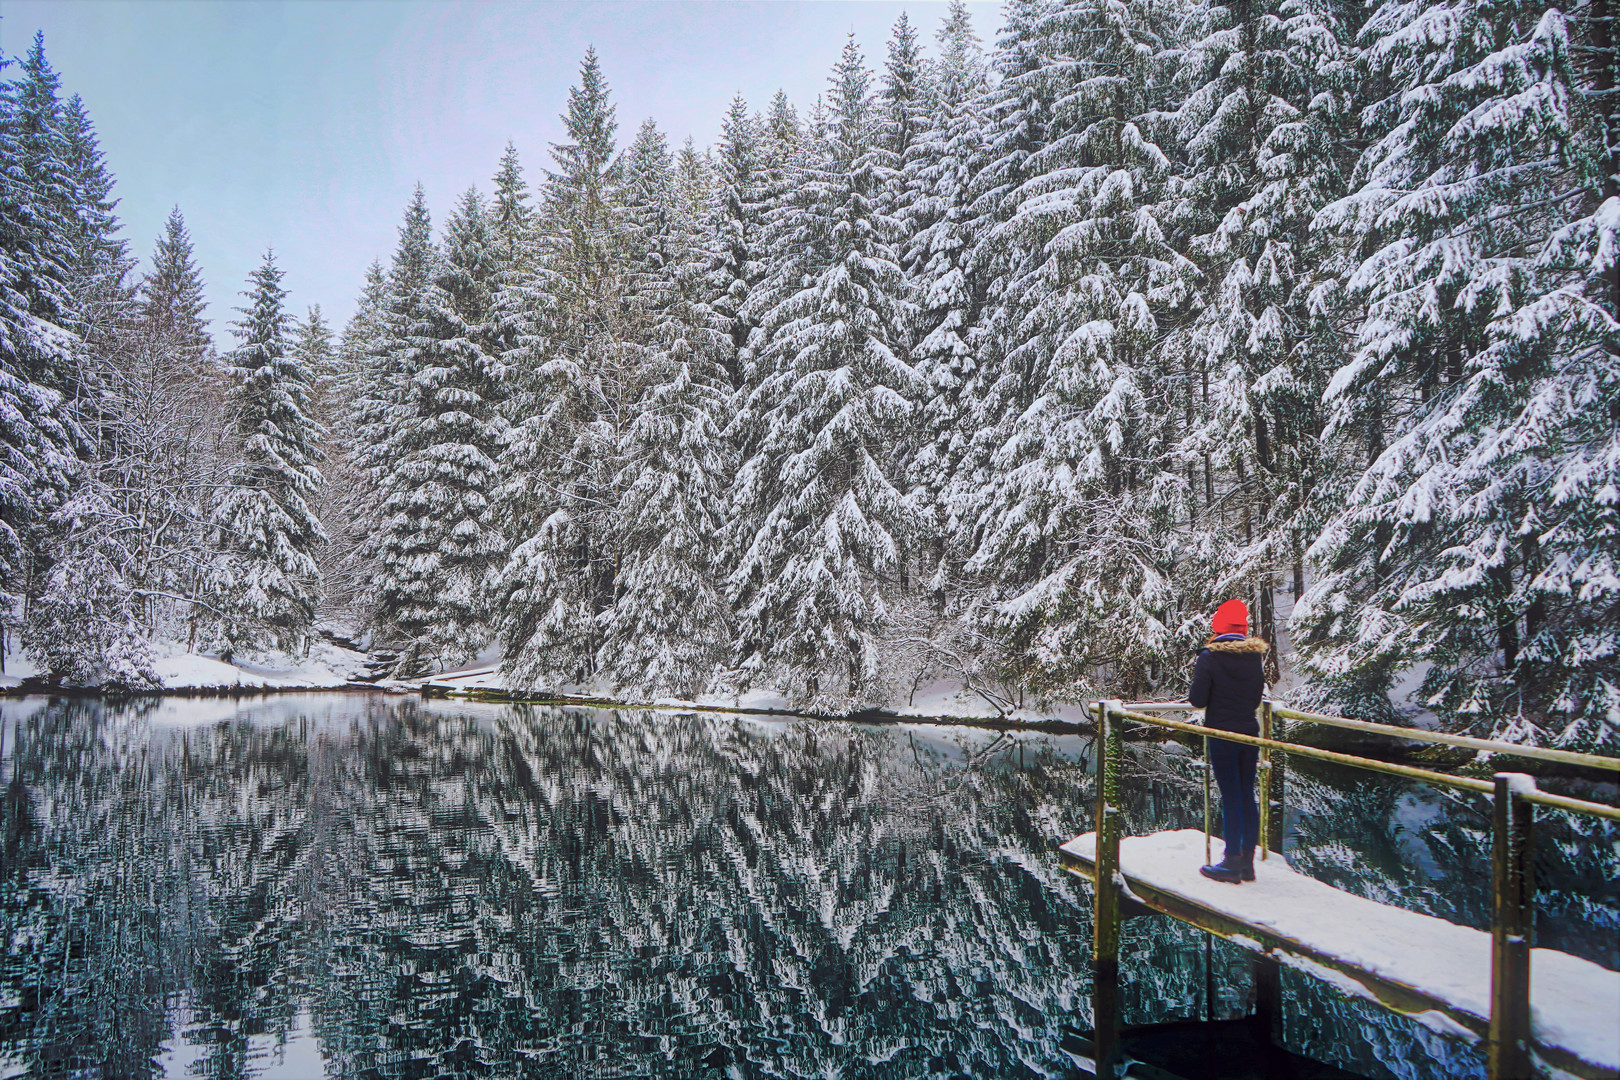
[[1409, 772], [1513, 798], [1493, 746]]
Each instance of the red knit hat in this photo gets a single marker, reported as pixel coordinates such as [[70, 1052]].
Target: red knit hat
[[1232, 617]]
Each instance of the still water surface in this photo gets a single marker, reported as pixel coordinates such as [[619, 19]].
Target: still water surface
[[371, 887]]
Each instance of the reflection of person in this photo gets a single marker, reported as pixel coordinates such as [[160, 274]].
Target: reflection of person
[[1228, 683]]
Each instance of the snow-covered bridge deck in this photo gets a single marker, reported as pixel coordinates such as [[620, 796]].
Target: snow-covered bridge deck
[[1428, 968]]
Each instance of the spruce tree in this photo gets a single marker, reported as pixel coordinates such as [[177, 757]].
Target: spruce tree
[[265, 582], [172, 303], [668, 630], [738, 228], [98, 276], [93, 555], [1477, 538], [649, 196], [571, 393], [823, 521], [312, 344], [903, 107], [350, 504], [519, 296], [1074, 510], [439, 543], [1264, 91], [938, 250], [382, 409], [41, 438]]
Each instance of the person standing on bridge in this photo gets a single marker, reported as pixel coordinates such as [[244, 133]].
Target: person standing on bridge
[[1228, 682]]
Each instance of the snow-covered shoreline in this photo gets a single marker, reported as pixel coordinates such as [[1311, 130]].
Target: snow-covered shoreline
[[941, 700], [331, 668], [181, 673]]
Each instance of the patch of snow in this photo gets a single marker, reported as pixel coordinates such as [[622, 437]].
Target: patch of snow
[[325, 667], [477, 676], [1442, 1024], [18, 668], [1575, 1004], [947, 697]]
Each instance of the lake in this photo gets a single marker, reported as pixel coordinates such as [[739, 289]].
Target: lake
[[359, 885]]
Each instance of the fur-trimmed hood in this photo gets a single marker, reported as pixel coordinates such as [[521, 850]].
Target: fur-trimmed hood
[[1247, 645]]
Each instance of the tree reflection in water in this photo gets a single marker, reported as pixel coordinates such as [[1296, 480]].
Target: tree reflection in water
[[456, 890]]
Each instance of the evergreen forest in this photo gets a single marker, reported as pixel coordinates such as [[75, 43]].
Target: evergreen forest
[[1001, 362]]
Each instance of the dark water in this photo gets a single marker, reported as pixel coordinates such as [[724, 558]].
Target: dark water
[[358, 886]]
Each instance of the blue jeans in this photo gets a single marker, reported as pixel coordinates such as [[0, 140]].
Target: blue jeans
[[1234, 766]]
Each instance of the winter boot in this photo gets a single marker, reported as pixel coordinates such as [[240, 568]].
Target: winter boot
[[1246, 864], [1229, 869]]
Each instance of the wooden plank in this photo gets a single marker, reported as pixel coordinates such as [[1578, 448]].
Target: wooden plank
[[1268, 944]]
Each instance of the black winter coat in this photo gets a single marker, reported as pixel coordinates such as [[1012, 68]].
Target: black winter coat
[[1228, 682]]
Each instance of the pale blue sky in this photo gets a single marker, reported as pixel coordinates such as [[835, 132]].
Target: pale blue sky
[[304, 125]]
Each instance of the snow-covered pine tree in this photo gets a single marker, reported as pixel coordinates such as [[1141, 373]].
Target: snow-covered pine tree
[[694, 190], [568, 405], [648, 197], [40, 435], [119, 529], [823, 523], [86, 616], [1479, 538], [99, 276], [439, 543], [361, 340], [382, 409], [161, 443], [511, 216], [350, 504], [1075, 517], [265, 583], [1264, 90], [329, 404], [519, 297], [177, 401], [391, 364], [940, 173], [312, 344], [668, 630], [172, 303], [1011, 118], [739, 224], [780, 139], [903, 105]]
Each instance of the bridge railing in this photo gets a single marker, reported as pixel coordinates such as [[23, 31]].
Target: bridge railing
[[1513, 797]]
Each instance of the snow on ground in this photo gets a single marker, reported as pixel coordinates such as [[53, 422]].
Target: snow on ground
[[327, 665], [1575, 1003], [18, 668], [487, 676]]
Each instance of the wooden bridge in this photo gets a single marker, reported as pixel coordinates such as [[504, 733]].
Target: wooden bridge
[[1538, 1012]]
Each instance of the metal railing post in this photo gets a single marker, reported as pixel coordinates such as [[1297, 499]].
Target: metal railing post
[[1512, 921], [1208, 816], [1106, 920], [1265, 781], [1274, 817]]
